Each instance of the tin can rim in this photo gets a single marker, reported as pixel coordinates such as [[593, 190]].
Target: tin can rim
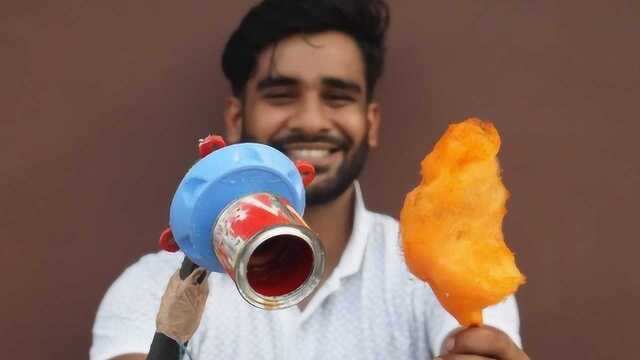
[[294, 297]]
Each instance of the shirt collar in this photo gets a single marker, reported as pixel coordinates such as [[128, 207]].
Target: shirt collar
[[351, 259], [353, 254]]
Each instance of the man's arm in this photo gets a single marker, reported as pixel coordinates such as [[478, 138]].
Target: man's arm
[[162, 348]]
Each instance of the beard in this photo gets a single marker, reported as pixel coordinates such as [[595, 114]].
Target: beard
[[348, 170]]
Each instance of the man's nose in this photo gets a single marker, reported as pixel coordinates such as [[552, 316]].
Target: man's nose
[[310, 117]]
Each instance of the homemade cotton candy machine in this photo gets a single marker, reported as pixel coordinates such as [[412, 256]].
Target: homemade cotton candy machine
[[239, 210]]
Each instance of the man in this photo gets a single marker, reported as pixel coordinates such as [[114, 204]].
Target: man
[[303, 74]]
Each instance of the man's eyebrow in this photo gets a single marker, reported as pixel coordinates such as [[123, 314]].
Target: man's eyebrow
[[342, 84], [273, 81]]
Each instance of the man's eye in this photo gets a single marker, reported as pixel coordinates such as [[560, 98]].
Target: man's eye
[[338, 99], [277, 95], [279, 98]]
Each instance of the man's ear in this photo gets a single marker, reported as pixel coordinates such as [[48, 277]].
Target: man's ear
[[373, 120], [233, 119]]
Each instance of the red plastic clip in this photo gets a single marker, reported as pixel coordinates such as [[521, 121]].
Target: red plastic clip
[[209, 144], [307, 171], [167, 242]]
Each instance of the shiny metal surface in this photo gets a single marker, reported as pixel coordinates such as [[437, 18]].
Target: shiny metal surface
[[275, 259]]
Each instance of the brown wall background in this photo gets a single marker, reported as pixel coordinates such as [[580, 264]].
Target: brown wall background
[[101, 104]]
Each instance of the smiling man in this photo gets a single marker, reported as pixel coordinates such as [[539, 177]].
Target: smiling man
[[303, 75], [308, 98]]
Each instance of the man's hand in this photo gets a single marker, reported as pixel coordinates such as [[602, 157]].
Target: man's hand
[[481, 343]]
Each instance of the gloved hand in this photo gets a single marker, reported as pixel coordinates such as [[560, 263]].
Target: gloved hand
[[182, 306]]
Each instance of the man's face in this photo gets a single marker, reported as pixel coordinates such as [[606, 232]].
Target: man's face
[[307, 98]]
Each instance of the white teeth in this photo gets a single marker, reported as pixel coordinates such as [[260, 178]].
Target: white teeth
[[309, 153]]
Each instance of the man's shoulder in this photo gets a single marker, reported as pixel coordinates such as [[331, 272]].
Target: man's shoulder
[[162, 261], [126, 315], [150, 273]]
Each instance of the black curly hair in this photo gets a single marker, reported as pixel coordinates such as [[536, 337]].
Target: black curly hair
[[271, 21]]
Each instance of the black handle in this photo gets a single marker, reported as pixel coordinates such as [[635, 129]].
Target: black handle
[[163, 348], [187, 268]]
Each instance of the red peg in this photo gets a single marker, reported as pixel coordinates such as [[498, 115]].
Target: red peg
[[209, 144], [307, 171], [167, 242]]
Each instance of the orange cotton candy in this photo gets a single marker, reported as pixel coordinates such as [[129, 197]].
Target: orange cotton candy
[[451, 224]]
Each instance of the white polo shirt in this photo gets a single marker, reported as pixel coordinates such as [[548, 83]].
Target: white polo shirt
[[370, 307]]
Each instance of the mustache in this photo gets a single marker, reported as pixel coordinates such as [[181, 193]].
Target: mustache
[[281, 143]]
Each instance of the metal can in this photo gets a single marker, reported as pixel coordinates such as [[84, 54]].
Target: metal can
[[265, 246]]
